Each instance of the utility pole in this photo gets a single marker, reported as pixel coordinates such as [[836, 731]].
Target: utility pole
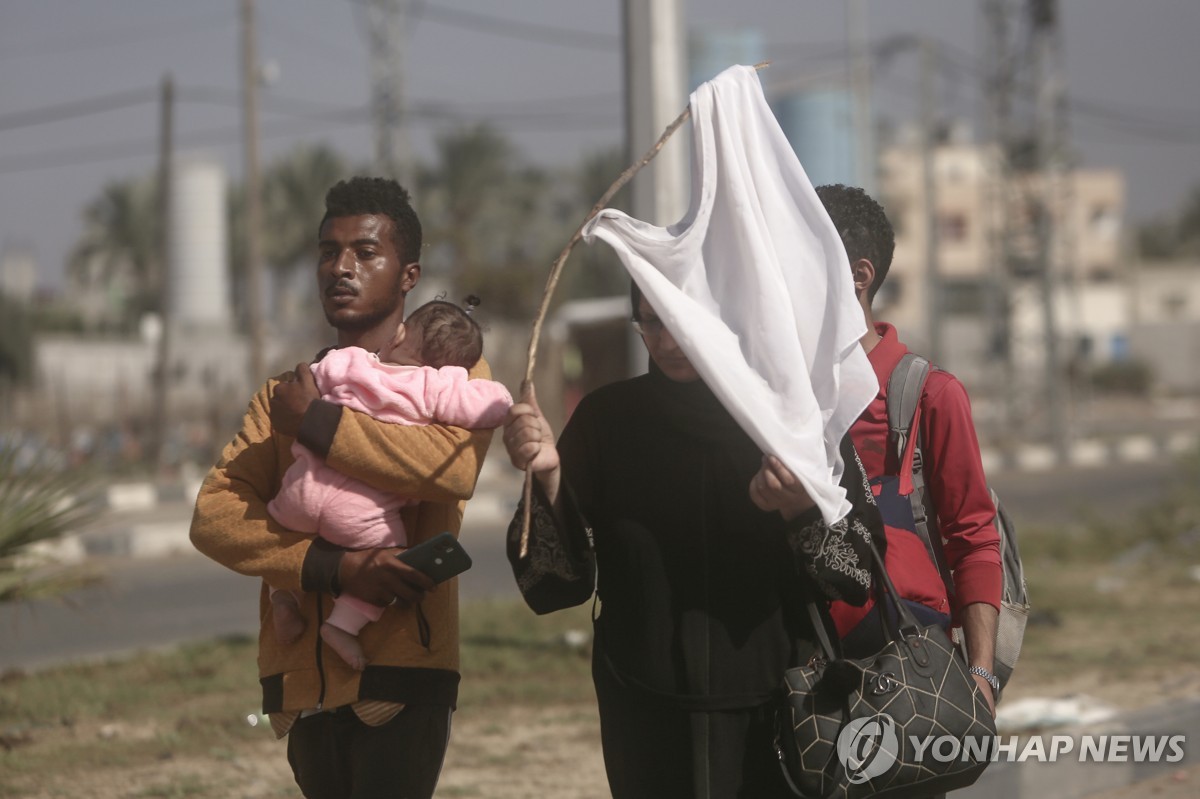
[[655, 93], [997, 199], [933, 272], [860, 83], [386, 33], [166, 320], [253, 189], [1051, 212]]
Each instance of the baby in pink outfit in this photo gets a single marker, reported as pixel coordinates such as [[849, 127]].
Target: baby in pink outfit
[[420, 377]]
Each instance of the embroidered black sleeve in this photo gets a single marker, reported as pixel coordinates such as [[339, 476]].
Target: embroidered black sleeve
[[558, 568], [834, 556], [837, 556]]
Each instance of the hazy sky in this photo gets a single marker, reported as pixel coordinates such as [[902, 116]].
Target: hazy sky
[[550, 77]]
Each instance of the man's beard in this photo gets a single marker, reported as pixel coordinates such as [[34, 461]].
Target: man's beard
[[358, 324]]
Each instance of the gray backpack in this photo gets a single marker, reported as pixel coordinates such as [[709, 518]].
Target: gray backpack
[[905, 387]]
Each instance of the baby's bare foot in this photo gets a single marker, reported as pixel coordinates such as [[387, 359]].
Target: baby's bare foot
[[288, 621], [346, 645]]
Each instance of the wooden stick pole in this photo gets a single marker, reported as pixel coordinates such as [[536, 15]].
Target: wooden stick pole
[[556, 272]]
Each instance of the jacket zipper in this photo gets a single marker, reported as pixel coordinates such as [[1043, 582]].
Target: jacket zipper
[[704, 781], [320, 661], [423, 629]]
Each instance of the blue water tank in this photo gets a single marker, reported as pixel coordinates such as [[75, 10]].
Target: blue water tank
[[819, 123], [711, 52]]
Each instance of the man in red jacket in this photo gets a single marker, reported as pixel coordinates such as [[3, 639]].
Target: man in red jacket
[[953, 470]]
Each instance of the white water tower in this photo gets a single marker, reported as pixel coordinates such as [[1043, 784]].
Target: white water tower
[[199, 244]]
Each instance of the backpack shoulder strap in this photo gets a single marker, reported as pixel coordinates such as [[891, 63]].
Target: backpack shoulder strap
[[906, 384], [904, 388]]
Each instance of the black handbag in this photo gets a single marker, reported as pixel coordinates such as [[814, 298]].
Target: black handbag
[[907, 722]]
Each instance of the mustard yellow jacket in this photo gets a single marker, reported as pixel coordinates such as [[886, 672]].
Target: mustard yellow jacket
[[413, 650]]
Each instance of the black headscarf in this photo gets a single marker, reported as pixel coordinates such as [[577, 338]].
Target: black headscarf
[[690, 407]]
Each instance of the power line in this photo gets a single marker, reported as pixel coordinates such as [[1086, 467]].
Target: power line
[[78, 108], [138, 148], [1158, 124], [214, 95], [331, 118], [547, 114], [302, 108], [1139, 123], [1094, 133], [516, 29]]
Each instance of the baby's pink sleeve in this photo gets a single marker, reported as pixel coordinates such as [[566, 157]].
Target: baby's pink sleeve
[[471, 404]]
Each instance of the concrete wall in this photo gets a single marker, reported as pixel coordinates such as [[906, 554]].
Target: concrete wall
[[100, 381], [1173, 351]]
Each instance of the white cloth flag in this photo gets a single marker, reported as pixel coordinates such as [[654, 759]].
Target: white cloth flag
[[755, 286]]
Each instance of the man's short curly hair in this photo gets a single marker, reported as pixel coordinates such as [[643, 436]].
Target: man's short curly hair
[[863, 226], [449, 336], [362, 195]]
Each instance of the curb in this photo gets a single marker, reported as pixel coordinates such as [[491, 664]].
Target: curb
[[1088, 452], [123, 497], [146, 519]]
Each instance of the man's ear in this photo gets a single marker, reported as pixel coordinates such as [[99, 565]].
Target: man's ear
[[863, 273], [411, 274]]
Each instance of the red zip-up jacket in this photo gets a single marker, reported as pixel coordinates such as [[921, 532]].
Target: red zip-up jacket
[[954, 475]]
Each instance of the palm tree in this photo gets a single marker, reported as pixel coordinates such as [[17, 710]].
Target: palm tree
[[490, 218], [16, 344], [598, 271], [294, 190], [1173, 236], [117, 254], [471, 175], [1188, 225]]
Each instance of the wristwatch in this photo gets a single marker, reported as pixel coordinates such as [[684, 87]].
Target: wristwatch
[[991, 679]]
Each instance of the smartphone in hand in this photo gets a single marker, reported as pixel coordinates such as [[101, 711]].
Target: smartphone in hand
[[441, 557]]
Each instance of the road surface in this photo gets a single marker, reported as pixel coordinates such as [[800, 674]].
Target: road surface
[[160, 601]]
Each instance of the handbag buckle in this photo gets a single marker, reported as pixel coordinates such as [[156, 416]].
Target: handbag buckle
[[884, 683]]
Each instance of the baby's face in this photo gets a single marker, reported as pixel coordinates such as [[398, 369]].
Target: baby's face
[[403, 349]]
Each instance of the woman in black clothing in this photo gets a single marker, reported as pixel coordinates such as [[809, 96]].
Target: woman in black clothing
[[705, 551]]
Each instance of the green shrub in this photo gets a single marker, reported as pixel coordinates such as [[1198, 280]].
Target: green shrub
[[1123, 377], [39, 504]]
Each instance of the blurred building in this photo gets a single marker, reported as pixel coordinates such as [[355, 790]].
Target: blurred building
[[982, 308], [1165, 334], [104, 379]]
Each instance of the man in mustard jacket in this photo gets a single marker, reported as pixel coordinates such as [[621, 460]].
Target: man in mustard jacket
[[381, 731]]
